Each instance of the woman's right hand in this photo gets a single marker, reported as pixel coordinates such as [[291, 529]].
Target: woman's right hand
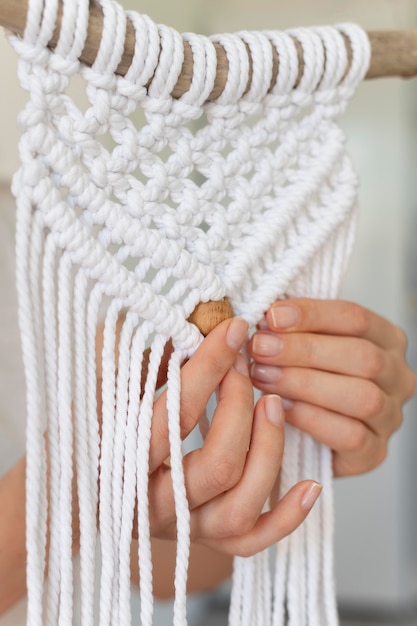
[[228, 480]]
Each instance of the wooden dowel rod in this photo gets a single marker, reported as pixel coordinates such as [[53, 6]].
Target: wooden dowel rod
[[394, 53]]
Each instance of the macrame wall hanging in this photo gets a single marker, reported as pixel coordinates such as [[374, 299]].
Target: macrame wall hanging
[[246, 193]]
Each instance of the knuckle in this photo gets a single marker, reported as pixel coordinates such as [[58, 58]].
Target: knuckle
[[303, 380], [309, 348], [240, 520], [245, 551], [397, 420], [374, 361], [371, 461], [395, 415], [380, 456], [361, 319], [160, 432], [401, 338], [376, 459], [364, 454], [372, 402], [217, 364], [190, 412], [223, 475], [357, 438], [311, 311]]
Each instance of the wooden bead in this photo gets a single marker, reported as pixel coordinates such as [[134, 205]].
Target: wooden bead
[[207, 315]]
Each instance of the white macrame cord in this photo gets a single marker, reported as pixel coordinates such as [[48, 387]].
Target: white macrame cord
[[131, 209]]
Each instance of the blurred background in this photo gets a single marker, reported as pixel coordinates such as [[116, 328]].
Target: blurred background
[[376, 514]]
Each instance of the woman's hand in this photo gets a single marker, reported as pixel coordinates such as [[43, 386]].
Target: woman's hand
[[228, 480], [342, 372]]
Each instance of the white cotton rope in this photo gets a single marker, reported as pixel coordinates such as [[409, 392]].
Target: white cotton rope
[[133, 207]]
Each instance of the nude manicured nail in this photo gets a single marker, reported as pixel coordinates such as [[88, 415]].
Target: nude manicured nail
[[287, 404], [237, 333], [273, 409], [265, 373], [240, 365], [285, 316], [266, 344], [310, 496]]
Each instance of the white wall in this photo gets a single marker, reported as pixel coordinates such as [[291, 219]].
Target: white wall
[[377, 513]]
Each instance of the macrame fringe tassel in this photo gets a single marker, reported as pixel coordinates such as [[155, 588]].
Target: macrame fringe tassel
[[88, 441], [108, 461], [297, 586]]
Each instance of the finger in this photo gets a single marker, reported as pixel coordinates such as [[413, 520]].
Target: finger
[[199, 378], [356, 447], [361, 357], [274, 525], [333, 317], [218, 465], [354, 397], [237, 510]]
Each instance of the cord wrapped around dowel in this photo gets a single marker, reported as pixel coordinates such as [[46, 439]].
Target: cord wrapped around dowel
[[393, 53]]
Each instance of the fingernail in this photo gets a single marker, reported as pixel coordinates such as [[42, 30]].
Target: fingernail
[[273, 409], [237, 333], [240, 365], [310, 496], [266, 344], [287, 404], [265, 373], [284, 316]]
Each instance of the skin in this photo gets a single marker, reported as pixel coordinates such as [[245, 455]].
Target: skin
[[342, 372], [353, 404], [12, 537]]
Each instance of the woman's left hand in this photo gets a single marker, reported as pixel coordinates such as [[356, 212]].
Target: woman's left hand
[[342, 372]]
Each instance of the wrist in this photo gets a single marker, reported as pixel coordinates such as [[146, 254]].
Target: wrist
[[12, 536]]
